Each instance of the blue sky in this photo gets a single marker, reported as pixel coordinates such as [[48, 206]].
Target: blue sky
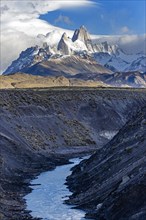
[[109, 17]]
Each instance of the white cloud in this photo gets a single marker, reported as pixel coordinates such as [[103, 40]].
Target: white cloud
[[20, 24], [63, 19], [12, 44], [133, 43], [124, 30]]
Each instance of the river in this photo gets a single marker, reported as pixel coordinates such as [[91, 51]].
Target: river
[[46, 200]]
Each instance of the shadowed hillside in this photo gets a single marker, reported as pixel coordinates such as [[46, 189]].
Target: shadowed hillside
[[111, 185]]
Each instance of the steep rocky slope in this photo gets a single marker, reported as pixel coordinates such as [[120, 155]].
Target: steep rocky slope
[[40, 129], [111, 184]]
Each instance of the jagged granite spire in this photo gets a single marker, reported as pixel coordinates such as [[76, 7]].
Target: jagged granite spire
[[83, 35], [63, 46]]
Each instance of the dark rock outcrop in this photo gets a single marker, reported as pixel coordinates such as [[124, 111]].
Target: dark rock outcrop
[[111, 184]]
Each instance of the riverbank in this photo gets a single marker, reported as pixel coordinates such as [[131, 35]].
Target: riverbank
[[41, 129]]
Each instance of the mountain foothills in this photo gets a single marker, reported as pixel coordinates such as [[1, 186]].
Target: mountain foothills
[[81, 58]]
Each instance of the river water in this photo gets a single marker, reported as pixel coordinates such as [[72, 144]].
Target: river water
[[46, 200]]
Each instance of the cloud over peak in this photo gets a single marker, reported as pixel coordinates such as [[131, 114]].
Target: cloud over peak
[[20, 23]]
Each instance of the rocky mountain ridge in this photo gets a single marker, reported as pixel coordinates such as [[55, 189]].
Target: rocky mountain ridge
[[57, 47]]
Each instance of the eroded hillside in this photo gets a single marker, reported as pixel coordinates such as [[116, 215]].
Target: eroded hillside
[[111, 184], [43, 128]]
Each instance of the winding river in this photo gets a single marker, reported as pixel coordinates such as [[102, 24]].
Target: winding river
[[46, 200]]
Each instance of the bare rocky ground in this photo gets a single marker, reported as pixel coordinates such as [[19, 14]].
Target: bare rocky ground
[[43, 128]]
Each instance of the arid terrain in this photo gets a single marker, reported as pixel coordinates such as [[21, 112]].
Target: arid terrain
[[22, 80]]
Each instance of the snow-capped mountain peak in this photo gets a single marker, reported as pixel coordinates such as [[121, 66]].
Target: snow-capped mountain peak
[[56, 45]]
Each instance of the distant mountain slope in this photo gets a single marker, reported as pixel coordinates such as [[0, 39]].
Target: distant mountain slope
[[132, 79], [121, 61], [117, 79], [66, 66], [55, 47], [122, 79]]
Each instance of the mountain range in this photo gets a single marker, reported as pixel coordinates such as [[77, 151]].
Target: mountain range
[[79, 57]]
